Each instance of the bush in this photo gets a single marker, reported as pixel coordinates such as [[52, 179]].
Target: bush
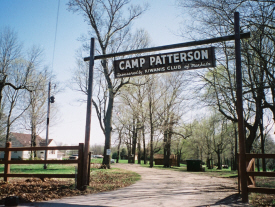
[[114, 155], [271, 164]]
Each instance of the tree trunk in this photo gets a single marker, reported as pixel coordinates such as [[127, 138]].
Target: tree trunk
[[144, 145], [219, 159], [134, 145], [2, 85], [118, 147], [151, 132], [8, 129], [262, 142], [178, 158], [129, 147], [208, 164], [108, 131], [165, 151], [236, 148], [151, 151], [109, 114], [139, 146]]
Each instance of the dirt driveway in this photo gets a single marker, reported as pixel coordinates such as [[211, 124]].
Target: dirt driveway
[[161, 188]]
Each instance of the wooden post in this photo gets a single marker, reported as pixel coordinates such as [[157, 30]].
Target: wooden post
[[7, 158], [242, 159], [89, 114], [79, 184], [89, 168]]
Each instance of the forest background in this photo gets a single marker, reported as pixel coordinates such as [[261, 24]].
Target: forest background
[[191, 114]]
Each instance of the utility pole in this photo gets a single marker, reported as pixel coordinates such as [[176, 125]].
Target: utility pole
[[50, 100]]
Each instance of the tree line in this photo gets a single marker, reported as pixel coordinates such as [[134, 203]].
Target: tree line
[[149, 114], [23, 87], [157, 113]]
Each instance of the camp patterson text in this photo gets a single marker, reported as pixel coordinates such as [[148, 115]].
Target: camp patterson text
[[158, 63]]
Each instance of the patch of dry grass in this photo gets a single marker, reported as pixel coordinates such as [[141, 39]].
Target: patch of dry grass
[[257, 199], [106, 180]]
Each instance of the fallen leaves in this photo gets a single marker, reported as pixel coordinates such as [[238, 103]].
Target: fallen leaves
[[257, 199], [34, 189]]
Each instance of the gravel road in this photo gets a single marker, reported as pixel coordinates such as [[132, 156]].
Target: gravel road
[[161, 188]]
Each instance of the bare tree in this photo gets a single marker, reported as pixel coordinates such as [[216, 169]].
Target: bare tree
[[15, 70], [174, 87], [36, 116], [110, 24], [15, 106], [131, 99], [216, 18]]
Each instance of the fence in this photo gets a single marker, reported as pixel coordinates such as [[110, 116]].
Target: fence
[[251, 174], [7, 162]]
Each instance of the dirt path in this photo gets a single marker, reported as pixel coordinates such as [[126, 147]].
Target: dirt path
[[161, 188]]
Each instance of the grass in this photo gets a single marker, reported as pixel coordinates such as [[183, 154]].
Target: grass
[[97, 160], [111, 179], [39, 169]]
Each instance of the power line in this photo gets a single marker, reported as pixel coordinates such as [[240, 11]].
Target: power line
[[56, 24]]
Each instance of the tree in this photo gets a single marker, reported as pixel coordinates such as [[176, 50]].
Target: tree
[[10, 51], [15, 99], [153, 99], [131, 110], [120, 132], [221, 136], [131, 105], [36, 116], [111, 26], [97, 149], [172, 98], [15, 71], [216, 18], [184, 131]]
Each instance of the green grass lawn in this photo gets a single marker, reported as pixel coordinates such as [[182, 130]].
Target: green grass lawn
[[97, 160], [39, 169]]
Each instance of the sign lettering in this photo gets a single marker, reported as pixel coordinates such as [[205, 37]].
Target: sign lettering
[[168, 62]]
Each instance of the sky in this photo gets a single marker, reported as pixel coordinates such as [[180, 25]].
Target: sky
[[38, 22]]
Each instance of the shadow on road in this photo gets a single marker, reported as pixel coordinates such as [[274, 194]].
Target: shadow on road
[[54, 204], [232, 200]]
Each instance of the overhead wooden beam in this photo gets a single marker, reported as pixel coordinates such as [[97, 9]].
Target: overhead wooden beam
[[173, 46]]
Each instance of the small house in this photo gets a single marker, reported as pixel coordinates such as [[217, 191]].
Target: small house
[[51, 154], [24, 140]]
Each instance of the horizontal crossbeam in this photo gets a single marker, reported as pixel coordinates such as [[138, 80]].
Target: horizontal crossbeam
[[173, 46]]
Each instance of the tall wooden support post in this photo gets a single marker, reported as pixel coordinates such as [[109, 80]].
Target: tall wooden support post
[[7, 165], [86, 162], [242, 160]]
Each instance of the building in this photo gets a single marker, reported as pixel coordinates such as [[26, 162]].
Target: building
[[159, 159], [24, 140]]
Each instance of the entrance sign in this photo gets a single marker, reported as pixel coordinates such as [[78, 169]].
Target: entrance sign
[[167, 62], [183, 60]]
